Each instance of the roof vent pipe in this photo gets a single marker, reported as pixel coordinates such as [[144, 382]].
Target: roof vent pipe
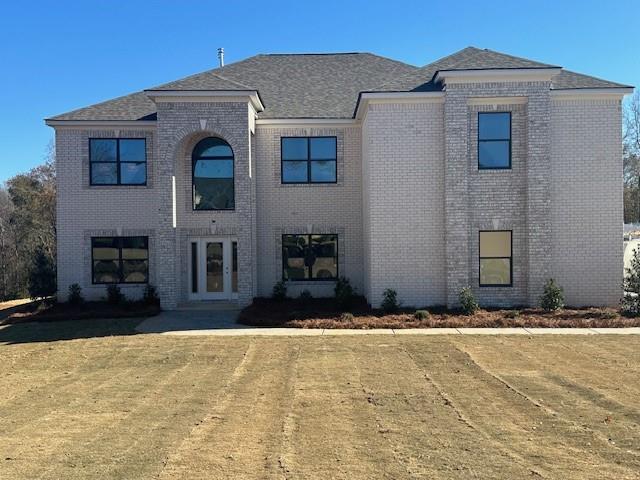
[[221, 56]]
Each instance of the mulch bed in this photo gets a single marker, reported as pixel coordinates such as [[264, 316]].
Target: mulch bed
[[54, 312], [324, 313]]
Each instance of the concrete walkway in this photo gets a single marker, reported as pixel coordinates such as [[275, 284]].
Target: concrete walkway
[[223, 323]]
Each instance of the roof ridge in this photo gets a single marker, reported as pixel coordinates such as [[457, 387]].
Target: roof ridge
[[548, 65], [211, 71], [423, 67], [312, 53], [232, 81]]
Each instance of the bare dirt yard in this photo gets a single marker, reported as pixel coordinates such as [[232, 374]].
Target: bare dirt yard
[[91, 400]]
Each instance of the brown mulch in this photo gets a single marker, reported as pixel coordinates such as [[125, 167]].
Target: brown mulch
[[54, 312], [324, 313]]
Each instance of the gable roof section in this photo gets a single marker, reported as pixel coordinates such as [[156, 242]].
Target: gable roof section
[[290, 85], [324, 85], [472, 58]]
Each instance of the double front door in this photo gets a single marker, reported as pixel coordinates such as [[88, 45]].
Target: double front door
[[213, 272]]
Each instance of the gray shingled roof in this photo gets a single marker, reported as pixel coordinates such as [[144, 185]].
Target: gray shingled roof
[[322, 85]]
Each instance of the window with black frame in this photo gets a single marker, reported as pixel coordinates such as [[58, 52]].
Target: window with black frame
[[120, 259], [213, 175], [494, 140], [118, 161], [309, 159], [310, 257], [495, 258]]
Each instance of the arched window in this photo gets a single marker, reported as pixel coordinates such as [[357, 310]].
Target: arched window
[[212, 160]]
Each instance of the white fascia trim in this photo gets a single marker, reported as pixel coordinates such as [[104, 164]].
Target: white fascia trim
[[142, 124], [306, 122], [204, 95], [496, 75], [591, 93], [368, 98]]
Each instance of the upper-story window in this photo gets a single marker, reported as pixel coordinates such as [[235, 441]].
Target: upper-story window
[[308, 159], [494, 140], [118, 161], [213, 187]]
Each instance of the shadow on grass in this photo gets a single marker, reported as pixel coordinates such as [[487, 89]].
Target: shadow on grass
[[66, 330]]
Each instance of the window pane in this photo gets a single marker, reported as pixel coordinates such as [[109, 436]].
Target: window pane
[[323, 148], [495, 244], [494, 126], [215, 277], [132, 151], [325, 256], [495, 271], [294, 148], [104, 173], [194, 267], [234, 267], [106, 271], [214, 169], [133, 173], [134, 248], [212, 147], [493, 154], [294, 172], [323, 171], [103, 150], [105, 248], [213, 193], [294, 250], [135, 271]]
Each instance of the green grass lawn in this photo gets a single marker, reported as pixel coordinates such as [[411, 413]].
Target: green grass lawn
[[92, 400]]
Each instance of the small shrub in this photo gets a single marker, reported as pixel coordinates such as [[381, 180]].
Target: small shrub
[[630, 304], [42, 275], [468, 302], [305, 295], [553, 297], [390, 301], [279, 292], [344, 292], [346, 317], [114, 295], [75, 294], [150, 295], [512, 314], [421, 315]]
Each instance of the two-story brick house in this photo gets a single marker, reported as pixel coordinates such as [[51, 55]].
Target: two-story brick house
[[479, 169]]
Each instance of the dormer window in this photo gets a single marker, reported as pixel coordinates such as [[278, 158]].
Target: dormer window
[[494, 140]]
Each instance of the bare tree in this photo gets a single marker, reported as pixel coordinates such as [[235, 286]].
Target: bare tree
[[631, 158]]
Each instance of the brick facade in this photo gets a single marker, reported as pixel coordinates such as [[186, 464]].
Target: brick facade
[[407, 206]]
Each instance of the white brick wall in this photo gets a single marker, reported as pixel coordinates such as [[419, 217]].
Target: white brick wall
[[320, 208], [403, 179], [586, 200]]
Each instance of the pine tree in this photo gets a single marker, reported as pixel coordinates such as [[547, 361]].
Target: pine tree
[[42, 276]]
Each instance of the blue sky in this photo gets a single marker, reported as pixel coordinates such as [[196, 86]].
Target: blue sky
[[56, 56]]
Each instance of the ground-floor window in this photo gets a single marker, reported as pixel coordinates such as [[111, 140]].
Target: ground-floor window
[[310, 257], [120, 259], [495, 258]]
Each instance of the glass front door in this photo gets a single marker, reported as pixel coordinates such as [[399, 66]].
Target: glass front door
[[213, 269]]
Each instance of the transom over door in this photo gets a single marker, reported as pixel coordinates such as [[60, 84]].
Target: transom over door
[[213, 272]]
